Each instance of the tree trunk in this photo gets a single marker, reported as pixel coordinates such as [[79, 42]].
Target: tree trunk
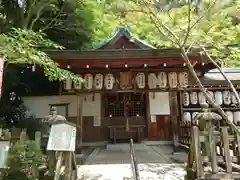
[[223, 74], [218, 108]]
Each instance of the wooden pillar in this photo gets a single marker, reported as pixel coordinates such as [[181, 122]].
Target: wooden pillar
[[79, 119]]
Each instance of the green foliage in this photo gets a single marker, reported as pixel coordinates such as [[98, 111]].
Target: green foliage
[[212, 25], [65, 22], [23, 47], [13, 113], [23, 161]]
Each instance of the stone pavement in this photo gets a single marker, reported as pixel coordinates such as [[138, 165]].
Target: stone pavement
[[114, 164]]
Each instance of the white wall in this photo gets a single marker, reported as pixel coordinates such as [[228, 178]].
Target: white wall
[[159, 103], [40, 105]]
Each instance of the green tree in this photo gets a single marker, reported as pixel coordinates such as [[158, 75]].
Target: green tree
[[23, 47], [20, 48], [216, 25], [208, 28], [65, 22]]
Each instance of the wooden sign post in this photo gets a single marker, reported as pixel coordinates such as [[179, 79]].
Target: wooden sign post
[[61, 142]]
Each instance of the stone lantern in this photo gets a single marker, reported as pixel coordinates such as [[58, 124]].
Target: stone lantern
[[206, 118], [52, 118]]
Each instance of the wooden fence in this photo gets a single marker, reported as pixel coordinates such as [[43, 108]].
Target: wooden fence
[[185, 132], [216, 153]]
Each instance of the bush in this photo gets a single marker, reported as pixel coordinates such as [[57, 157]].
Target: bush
[[19, 117], [23, 161]]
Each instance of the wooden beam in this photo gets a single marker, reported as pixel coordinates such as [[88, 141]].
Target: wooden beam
[[79, 118]]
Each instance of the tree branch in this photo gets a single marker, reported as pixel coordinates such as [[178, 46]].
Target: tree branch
[[223, 74], [218, 108], [190, 27], [177, 42], [54, 19], [37, 16], [189, 24], [28, 14]]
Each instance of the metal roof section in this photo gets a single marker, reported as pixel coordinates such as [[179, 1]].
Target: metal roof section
[[232, 74], [124, 32]]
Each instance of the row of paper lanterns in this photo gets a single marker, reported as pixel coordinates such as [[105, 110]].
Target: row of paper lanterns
[[219, 97], [232, 116], [90, 82], [155, 80], [162, 79]]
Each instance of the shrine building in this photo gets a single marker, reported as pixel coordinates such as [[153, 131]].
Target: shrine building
[[131, 89]]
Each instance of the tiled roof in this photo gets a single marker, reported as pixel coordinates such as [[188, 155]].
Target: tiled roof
[[232, 74], [125, 32]]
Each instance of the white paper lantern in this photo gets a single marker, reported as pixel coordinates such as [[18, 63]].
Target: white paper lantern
[[173, 80], [98, 81], [229, 115], [141, 80], [183, 79], [77, 84], [187, 116], [67, 84], [234, 99], [109, 81], [162, 79], [201, 98], [218, 97], [193, 97], [236, 117], [152, 81], [88, 83], [186, 99], [227, 97]]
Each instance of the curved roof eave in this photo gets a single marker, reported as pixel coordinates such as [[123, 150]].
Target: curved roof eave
[[124, 32]]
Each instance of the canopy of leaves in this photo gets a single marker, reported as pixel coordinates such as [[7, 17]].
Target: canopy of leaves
[[23, 47], [63, 21], [211, 25]]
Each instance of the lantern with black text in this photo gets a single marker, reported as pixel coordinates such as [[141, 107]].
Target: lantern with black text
[[162, 80], [140, 80], [173, 80], [98, 81], [152, 81], [88, 84], [183, 79], [109, 81]]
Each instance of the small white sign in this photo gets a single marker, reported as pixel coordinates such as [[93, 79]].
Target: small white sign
[[62, 138], [159, 103], [153, 118], [97, 121]]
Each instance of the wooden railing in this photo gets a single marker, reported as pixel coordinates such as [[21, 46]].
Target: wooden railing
[[134, 164], [216, 153]]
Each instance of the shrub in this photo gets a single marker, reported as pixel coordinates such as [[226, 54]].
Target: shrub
[[23, 161]]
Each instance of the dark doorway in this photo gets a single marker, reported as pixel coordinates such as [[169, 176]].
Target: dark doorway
[[114, 112]]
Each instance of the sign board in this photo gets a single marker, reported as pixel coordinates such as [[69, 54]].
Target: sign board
[[159, 103], [62, 137], [4, 147], [97, 121], [153, 118]]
